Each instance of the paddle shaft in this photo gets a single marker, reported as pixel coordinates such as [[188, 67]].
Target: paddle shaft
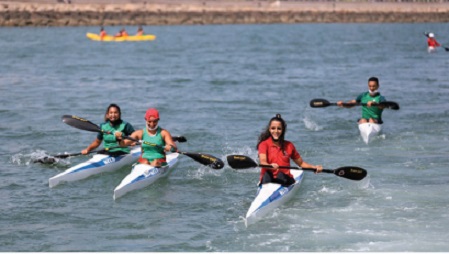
[[322, 103], [298, 168]]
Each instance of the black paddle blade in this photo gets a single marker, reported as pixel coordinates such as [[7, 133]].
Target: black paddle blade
[[205, 159], [349, 172], [180, 139], [80, 123], [45, 160], [390, 104], [241, 162], [319, 103]]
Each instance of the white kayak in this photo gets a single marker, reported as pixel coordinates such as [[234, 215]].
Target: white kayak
[[270, 196], [143, 175], [369, 130], [99, 163]]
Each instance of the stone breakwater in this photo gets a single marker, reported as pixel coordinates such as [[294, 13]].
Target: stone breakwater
[[216, 12]]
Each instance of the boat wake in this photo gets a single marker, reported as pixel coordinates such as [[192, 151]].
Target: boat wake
[[29, 159]]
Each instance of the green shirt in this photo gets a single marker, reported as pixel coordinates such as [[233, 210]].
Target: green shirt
[[108, 137], [371, 112], [151, 152]]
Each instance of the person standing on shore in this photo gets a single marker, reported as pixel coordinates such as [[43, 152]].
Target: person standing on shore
[[432, 43]]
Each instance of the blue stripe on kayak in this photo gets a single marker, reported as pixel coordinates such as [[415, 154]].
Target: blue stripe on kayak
[[277, 194], [99, 164]]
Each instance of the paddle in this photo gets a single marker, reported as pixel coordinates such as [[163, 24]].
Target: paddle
[[205, 159], [86, 125], [445, 48], [348, 172], [322, 103], [51, 159]]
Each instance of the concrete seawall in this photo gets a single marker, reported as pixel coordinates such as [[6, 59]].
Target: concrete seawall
[[216, 12]]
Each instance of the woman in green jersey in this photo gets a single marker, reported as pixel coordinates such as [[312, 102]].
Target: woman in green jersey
[[156, 140], [113, 129]]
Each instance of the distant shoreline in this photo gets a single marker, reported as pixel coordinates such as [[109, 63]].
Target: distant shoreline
[[172, 12]]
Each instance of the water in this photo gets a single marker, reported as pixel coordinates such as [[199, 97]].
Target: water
[[218, 86]]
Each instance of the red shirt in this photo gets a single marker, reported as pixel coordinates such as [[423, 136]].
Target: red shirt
[[431, 42], [276, 155]]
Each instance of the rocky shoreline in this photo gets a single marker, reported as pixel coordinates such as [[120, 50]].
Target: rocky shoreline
[[170, 12]]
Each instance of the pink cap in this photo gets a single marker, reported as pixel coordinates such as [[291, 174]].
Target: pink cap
[[151, 112]]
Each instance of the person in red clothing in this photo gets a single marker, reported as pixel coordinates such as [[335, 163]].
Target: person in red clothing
[[432, 43], [121, 33], [274, 150], [102, 33], [139, 31]]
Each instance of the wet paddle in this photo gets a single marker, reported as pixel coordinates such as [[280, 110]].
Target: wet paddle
[[205, 159], [348, 172], [52, 158], [86, 125], [322, 103]]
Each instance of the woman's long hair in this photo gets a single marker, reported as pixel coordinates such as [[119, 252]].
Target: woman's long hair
[[266, 133], [113, 105]]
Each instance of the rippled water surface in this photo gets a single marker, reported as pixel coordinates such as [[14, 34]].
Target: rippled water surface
[[218, 86]]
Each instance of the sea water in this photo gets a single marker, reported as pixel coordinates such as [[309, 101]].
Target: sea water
[[218, 85]]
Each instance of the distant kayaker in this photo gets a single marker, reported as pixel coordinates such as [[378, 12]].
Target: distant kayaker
[[432, 43], [121, 33], [139, 31], [114, 128], [156, 140], [274, 150], [370, 114], [102, 33]]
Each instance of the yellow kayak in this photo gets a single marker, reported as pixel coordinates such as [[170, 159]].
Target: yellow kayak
[[146, 37]]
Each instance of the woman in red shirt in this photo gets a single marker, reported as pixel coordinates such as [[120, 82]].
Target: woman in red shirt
[[274, 150]]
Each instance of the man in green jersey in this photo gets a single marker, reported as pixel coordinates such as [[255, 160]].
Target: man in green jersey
[[371, 113]]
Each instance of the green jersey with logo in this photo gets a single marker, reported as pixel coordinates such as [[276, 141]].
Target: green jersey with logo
[[371, 112], [108, 137], [151, 152]]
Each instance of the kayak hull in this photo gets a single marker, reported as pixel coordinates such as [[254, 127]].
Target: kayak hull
[[99, 163], [143, 175], [96, 37], [369, 130], [271, 196]]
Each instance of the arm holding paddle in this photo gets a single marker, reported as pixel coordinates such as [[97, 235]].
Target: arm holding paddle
[[299, 161], [96, 143], [348, 104], [353, 103]]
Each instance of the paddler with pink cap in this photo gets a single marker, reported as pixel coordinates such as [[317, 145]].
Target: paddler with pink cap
[[156, 140]]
